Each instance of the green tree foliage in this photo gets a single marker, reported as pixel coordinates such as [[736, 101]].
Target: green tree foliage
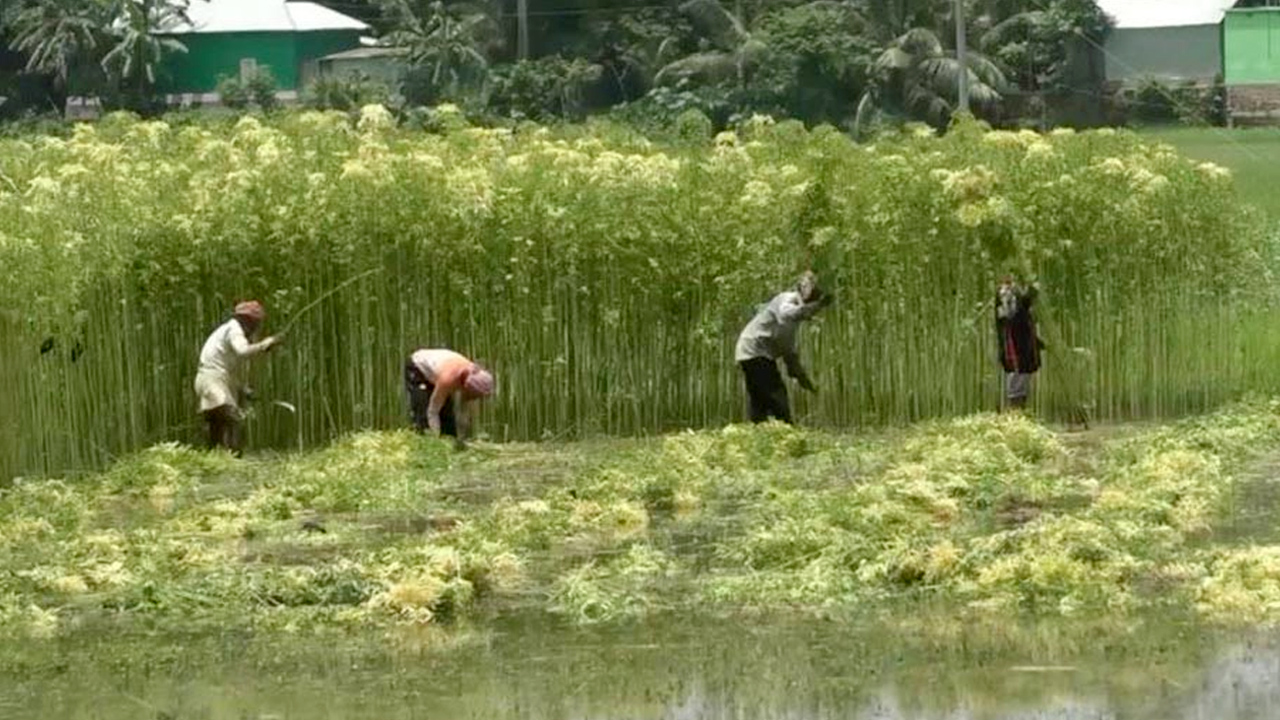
[[134, 60], [544, 89], [58, 36], [80, 44], [890, 19], [814, 60], [805, 60], [1035, 45], [918, 76], [258, 88], [349, 92], [444, 44], [729, 53], [820, 58]]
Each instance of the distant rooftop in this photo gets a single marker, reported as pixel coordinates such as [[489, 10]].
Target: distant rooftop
[[224, 16], [1165, 13], [368, 52]]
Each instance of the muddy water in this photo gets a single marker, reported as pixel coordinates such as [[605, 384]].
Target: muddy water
[[673, 670]]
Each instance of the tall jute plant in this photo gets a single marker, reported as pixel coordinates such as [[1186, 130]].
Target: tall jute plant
[[603, 278]]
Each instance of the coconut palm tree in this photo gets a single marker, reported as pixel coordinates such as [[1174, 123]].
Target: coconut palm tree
[[921, 77], [916, 74]]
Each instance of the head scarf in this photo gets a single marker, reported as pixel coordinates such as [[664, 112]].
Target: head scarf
[[1006, 301], [250, 310], [479, 382], [807, 286]]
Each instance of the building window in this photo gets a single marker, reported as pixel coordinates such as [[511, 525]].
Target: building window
[[248, 68]]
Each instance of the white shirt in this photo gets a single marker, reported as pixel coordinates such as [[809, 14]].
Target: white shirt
[[227, 348], [774, 332]]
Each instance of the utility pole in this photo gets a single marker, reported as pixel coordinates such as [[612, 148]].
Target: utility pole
[[522, 10], [962, 55]]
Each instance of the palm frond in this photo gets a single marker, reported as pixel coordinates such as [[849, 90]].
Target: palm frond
[[112, 57], [55, 36], [477, 59], [710, 66], [921, 42], [895, 58], [717, 24], [941, 73], [866, 111], [984, 95], [660, 55], [937, 111], [988, 71], [1006, 30], [942, 77], [174, 46], [919, 98]]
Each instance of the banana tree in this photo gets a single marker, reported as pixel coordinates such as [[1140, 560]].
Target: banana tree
[[445, 42], [58, 36], [138, 49]]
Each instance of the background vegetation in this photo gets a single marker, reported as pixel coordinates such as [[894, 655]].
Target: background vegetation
[[853, 62]]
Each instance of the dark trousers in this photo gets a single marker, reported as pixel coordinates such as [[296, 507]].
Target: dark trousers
[[766, 391], [224, 429], [420, 389]]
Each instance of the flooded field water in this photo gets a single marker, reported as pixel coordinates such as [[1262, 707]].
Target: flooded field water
[[679, 669]]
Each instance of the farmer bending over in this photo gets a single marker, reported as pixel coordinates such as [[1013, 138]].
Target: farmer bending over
[[432, 378], [220, 379], [1018, 342], [772, 334]]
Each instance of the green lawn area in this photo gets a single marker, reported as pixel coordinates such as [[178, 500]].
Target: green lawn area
[[1253, 154]]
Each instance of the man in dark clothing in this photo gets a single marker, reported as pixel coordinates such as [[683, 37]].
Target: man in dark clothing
[[1016, 334]]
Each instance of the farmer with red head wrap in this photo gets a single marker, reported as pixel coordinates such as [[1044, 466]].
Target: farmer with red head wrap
[[220, 382], [433, 377]]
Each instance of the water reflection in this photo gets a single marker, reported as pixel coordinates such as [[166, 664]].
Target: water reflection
[[687, 672]]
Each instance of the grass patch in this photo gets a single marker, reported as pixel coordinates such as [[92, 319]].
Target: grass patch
[[1253, 155]]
